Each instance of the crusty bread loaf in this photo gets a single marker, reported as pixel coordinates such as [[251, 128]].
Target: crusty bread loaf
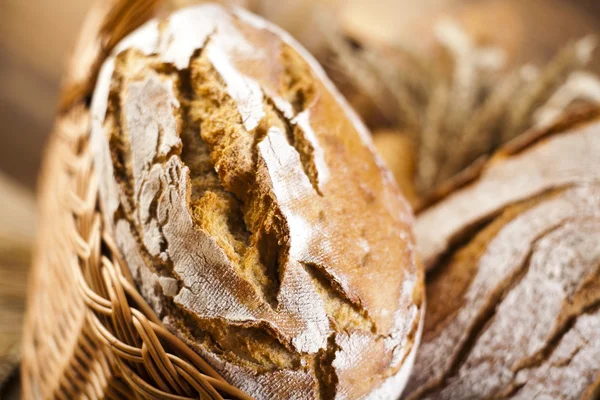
[[250, 207], [514, 290]]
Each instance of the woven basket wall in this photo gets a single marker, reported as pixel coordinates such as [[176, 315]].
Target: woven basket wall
[[89, 334]]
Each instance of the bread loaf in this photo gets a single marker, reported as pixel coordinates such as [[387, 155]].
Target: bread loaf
[[514, 286], [251, 209]]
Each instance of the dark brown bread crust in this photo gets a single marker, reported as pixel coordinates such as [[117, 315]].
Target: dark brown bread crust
[[514, 289], [252, 211]]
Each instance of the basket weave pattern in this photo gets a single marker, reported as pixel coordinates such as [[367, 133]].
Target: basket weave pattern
[[89, 333]]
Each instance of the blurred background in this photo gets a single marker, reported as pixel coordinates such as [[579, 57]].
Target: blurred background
[[37, 35]]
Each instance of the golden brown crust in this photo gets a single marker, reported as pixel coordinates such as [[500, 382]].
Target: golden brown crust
[[514, 289], [252, 211]]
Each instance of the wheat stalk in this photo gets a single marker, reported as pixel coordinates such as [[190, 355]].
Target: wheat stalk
[[481, 131], [406, 109], [429, 148], [573, 56], [357, 71]]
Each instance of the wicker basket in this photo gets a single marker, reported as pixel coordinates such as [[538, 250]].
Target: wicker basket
[[89, 333]]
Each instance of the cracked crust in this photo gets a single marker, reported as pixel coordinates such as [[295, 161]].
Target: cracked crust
[[514, 297], [251, 209]]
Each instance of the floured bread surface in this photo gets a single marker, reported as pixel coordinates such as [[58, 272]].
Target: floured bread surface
[[251, 209], [537, 162], [514, 297]]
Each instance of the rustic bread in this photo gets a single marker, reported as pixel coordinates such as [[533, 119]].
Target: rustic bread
[[252, 211], [514, 286]]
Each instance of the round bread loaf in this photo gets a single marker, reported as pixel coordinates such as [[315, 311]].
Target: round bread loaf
[[514, 286], [252, 211]]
